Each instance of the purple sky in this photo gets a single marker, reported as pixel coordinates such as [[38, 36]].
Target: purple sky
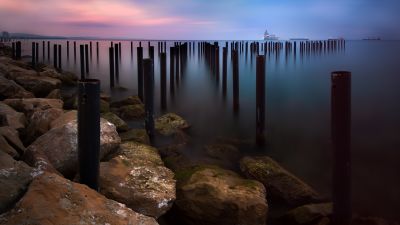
[[203, 19]]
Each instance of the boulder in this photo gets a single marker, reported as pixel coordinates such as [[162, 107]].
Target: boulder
[[104, 106], [131, 100], [39, 85], [64, 119], [138, 178], [10, 89], [308, 214], [31, 105], [170, 123], [129, 112], [52, 199], [10, 141], [40, 122], [282, 185], [59, 145], [211, 195], [15, 177], [55, 94], [10, 117], [139, 135], [114, 119], [66, 78], [225, 155]]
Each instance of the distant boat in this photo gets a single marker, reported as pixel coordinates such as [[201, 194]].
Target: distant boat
[[269, 37]]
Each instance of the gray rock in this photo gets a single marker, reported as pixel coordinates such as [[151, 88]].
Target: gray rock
[[59, 145], [138, 178], [52, 199]]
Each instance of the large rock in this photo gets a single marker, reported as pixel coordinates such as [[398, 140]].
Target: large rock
[[39, 85], [56, 94], [129, 112], [10, 117], [40, 122], [114, 119], [31, 105], [12, 70], [224, 155], [64, 119], [52, 199], [211, 195], [308, 214], [281, 184], [131, 100], [170, 123], [10, 89], [15, 176], [60, 145], [66, 78], [139, 135], [10, 142], [138, 178]]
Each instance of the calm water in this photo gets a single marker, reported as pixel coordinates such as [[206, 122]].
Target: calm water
[[297, 110]]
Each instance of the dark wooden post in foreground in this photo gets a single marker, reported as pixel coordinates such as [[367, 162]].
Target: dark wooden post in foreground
[[55, 56], [111, 56], [33, 55], [140, 71], [87, 58], [148, 73], [89, 132], [171, 70], [59, 57], [260, 100], [116, 59], [163, 79], [235, 80], [18, 50], [340, 131], [82, 56]]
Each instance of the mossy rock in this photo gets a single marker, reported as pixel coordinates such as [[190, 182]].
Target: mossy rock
[[307, 214], [131, 100], [118, 122], [170, 123], [129, 112], [140, 154], [139, 135]]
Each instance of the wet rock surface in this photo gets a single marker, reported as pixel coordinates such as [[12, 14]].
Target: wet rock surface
[[138, 135], [52, 199], [137, 177], [114, 119], [281, 184], [170, 123]]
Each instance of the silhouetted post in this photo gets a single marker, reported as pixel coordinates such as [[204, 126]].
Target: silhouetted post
[[163, 79], [119, 51], [33, 55], [131, 48], [67, 49], [217, 62], [224, 69], [55, 56], [171, 70], [148, 74], [111, 57], [48, 50], [90, 45], [82, 56], [341, 126], [235, 79], [260, 100], [116, 59], [13, 51], [151, 52], [87, 58], [18, 50], [89, 132], [59, 57], [177, 63], [43, 51], [37, 53], [74, 50], [140, 72], [97, 49]]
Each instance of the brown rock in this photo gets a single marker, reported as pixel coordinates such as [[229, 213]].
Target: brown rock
[[139, 135], [30, 105], [131, 100], [10, 89], [114, 119], [41, 86], [170, 123], [10, 117], [55, 94], [11, 142], [64, 119], [52, 199], [129, 112], [308, 214], [40, 122]]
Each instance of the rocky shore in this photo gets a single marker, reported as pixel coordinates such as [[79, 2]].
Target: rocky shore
[[139, 183]]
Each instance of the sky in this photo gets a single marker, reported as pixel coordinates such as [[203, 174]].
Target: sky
[[203, 19]]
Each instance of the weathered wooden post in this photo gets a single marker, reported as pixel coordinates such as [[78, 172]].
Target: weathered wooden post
[[163, 79], [97, 49], [18, 50], [341, 131], [116, 58], [171, 70], [82, 56], [111, 58], [67, 50], [90, 47], [89, 132], [87, 58], [48, 50], [55, 56], [13, 50], [74, 50], [37, 53], [177, 52], [217, 63], [235, 79], [260, 100], [224, 69], [33, 55], [140, 71], [119, 51], [59, 57], [151, 52], [148, 73]]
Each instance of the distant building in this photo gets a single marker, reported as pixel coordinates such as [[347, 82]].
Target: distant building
[[268, 36]]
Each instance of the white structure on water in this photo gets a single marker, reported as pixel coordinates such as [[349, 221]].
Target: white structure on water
[[268, 36]]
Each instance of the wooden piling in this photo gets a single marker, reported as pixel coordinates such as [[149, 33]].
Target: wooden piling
[[260, 100], [87, 58], [13, 50], [74, 50], [67, 49], [82, 57], [224, 69], [148, 73], [235, 79], [33, 55], [140, 72], [18, 50], [55, 56], [163, 79], [59, 57], [43, 51], [341, 140], [48, 50], [171, 70], [116, 58], [111, 60], [37, 53]]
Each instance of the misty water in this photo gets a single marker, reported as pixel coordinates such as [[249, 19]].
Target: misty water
[[298, 92]]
